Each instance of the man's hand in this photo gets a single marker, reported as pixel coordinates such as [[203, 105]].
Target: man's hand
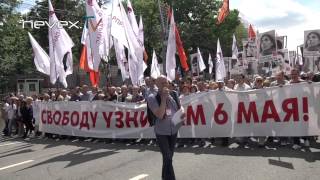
[[183, 116], [165, 94]]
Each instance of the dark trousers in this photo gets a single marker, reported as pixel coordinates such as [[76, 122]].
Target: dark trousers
[[29, 127], [167, 144]]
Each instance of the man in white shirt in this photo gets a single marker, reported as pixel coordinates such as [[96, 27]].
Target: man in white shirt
[[242, 86], [11, 110]]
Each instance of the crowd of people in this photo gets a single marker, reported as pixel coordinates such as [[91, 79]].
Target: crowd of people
[[18, 114]]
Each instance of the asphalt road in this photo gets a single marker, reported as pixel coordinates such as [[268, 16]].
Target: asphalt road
[[47, 159]]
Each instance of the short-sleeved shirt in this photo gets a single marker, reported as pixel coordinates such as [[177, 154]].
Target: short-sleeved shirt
[[164, 126], [243, 87], [277, 83]]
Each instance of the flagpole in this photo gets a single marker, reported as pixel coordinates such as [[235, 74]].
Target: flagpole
[[163, 38], [108, 55], [54, 57]]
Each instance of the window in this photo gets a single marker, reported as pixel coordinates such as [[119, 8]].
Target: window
[[21, 87], [32, 87]]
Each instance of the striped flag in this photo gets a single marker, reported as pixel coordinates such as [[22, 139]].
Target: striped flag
[[223, 12]]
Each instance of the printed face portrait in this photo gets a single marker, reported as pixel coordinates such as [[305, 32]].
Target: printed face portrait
[[194, 65], [267, 44], [280, 42], [313, 41], [251, 50]]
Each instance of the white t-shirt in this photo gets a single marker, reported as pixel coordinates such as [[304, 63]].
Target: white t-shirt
[[10, 110], [243, 87]]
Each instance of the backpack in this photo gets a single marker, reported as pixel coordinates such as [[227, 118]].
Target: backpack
[[151, 117]]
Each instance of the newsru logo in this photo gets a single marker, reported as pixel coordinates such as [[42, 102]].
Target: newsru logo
[[59, 24]]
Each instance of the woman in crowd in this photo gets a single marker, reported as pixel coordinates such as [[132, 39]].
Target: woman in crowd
[[27, 116], [267, 45], [313, 41]]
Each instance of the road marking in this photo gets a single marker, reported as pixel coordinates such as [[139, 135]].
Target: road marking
[[141, 176], [14, 165], [8, 144]]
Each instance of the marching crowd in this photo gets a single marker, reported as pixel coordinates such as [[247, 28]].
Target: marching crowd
[[18, 115]]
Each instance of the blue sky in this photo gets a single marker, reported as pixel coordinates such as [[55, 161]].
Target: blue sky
[[287, 17], [26, 5]]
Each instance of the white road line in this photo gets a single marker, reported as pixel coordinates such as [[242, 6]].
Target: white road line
[[14, 165], [8, 144], [141, 176]]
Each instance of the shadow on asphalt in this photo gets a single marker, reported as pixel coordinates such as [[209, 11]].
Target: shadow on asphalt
[[87, 147], [18, 152], [75, 157]]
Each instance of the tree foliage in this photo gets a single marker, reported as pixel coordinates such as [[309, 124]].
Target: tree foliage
[[196, 21]]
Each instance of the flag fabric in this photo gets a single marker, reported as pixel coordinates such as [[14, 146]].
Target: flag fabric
[[97, 29], [87, 56], [136, 63], [60, 45], [141, 38], [181, 52], [94, 76], [223, 12], [132, 18], [107, 10], [121, 60], [220, 67], [155, 70], [41, 58], [179, 45], [171, 51], [202, 66], [139, 35], [210, 63], [234, 48], [299, 59], [117, 28], [251, 33]]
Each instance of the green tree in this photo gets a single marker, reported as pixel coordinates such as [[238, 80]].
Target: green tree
[[65, 10], [15, 54]]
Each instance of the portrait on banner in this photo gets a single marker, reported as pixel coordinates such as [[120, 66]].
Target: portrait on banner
[[250, 50], [267, 46], [311, 43], [194, 64]]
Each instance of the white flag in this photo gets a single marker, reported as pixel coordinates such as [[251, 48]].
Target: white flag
[[299, 59], [97, 29], [141, 39], [136, 63], [141, 32], [171, 52], [138, 32], [234, 48], [132, 18], [220, 68], [202, 66], [107, 10], [121, 60], [85, 40], [155, 69], [41, 58], [117, 26], [210, 64], [60, 44]]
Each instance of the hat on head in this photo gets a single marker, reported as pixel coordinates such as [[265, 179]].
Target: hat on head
[[14, 98]]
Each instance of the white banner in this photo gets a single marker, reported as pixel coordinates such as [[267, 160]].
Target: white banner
[[292, 110]]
